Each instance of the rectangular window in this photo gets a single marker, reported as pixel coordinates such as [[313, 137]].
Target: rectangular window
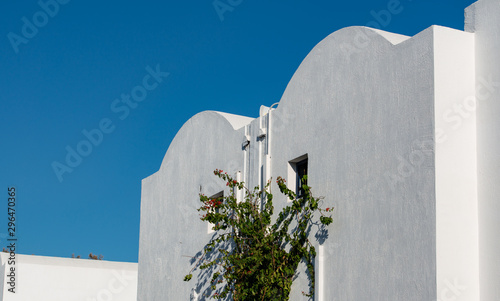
[[301, 168], [218, 195], [297, 169]]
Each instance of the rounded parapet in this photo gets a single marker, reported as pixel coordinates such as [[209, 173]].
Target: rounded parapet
[[205, 127]]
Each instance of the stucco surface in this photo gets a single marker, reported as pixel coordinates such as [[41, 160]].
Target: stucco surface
[[483, 19], [373, 112], [170, 226], [358, 114]]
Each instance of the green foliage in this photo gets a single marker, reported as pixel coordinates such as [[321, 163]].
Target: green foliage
[[255, 258]]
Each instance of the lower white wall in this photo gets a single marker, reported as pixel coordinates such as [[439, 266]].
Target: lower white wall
[[67, 279]]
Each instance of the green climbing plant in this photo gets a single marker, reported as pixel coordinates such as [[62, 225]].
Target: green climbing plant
[[250, 257]]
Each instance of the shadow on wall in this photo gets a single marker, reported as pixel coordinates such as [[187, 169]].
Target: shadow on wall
[[203, 291]]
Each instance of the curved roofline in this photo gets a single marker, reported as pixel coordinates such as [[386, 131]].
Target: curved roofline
[[237, 121], [352, 36], [234, 121]]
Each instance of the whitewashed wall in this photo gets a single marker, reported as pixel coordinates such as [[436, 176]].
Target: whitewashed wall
[[43, 278], [483, 19], [389, 126]]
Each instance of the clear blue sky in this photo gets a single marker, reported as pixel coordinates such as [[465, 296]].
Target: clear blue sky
[[72, 64]]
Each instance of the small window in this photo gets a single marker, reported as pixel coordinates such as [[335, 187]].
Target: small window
[[297, 169], [215, 196], [301, 169]]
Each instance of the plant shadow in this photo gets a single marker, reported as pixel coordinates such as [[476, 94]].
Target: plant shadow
[[203, 289]]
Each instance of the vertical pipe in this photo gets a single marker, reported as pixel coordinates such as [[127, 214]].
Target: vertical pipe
[[236, 191], [268, 140], [246, 159], [260, 166], [320, 294], [268, 155]]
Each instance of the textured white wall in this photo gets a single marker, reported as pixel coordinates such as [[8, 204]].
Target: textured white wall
[[483, 19], [358, 114], [456, 178], [170, 225], [376, 114], [66, 279]]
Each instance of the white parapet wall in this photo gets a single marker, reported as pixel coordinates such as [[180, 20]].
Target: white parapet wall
[[40, 278]]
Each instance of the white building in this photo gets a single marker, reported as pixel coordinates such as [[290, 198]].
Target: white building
[[40, 278], [401, 135]]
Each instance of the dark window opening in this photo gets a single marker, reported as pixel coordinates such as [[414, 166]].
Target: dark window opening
[[301, 171]]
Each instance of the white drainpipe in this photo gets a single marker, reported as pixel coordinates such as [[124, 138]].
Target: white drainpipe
[[268, 140]]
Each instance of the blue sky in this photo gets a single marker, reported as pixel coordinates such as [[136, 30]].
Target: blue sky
[[64, 70]]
